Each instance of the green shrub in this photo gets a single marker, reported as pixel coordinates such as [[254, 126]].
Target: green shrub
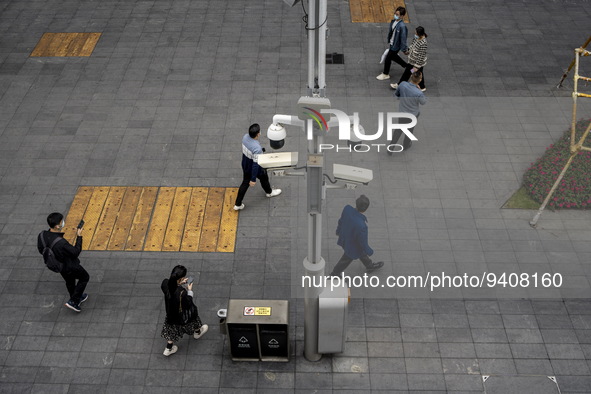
[[574, 191]]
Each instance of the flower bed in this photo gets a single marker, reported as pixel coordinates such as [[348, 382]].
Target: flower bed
[[574, 191]]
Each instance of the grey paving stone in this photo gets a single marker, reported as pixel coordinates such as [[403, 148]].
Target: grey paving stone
[[497, 366], [463, 383], [574, 384], [524, 351], [148, 82], [352, 381], [423, 365], [533, 367], [520, 321], [559, 336], [489, 335], [454, 335], [386, 365], [415, 350], [426, 382], [570, 367], [564, 351], [524, 336], [388, 382]]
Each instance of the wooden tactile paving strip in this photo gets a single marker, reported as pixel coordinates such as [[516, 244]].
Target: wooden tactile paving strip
[[66, 44], [375, 11], [188, 219]]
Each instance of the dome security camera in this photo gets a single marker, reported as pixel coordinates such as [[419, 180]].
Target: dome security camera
[[276, 135]]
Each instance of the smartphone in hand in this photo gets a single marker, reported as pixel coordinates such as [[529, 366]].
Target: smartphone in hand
[[190, 280], [81, 224]]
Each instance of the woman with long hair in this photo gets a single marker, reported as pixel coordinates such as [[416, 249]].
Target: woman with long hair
[[182, 316]]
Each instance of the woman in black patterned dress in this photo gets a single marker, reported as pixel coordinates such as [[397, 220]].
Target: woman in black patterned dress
[[182, 316]]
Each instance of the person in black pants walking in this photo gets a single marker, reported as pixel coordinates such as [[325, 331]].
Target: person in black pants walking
[[353, 234], [68, 255], [251, 149], [397, 41], [417, 59]]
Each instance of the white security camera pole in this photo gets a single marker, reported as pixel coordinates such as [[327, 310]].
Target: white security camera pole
[[314, 263]]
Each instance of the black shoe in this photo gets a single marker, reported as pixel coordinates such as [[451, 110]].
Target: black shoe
[[84, 298], [75, 307], [374, 266]]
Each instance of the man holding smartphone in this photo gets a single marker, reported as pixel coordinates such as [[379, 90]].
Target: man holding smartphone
[[73, 273]]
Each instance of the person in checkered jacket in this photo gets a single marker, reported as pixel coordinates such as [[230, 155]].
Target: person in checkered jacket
[[417, 58]]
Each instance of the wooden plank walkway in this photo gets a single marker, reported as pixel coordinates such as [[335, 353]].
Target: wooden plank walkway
[[162, 219], [375, 11], [66, 44]]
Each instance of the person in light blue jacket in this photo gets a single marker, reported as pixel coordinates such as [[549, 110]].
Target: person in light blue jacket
[[411, 98], [397, 36], [353, 237]]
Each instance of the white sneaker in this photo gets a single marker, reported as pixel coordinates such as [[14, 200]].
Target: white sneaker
[[238, 208], [383, 76], [394, 85], [167, 352], [274, 193], [202, 331]]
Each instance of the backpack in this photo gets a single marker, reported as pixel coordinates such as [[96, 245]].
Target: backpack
[[50, 260]]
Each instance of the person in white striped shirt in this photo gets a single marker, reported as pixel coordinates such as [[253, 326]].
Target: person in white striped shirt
[[251, 149]]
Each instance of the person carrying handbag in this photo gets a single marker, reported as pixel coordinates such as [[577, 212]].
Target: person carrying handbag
[[397, 41], [182, 316], [417, 58]]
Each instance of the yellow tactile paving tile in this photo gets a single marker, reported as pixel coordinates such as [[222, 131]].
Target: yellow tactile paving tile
[[375, 11], [160, 218], [135, 218], [124, 220], [176, 223], [89, 44], [76, 212], [107, 219], [141, 219], [65, 44], [211, 221], [194, 223], [228, 223], [93, 213]]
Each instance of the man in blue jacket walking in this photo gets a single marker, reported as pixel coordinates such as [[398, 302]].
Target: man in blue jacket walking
[[251, 149], [352, 233]]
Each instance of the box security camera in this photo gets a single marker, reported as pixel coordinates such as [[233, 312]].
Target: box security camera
[[278, 160], [352, 174]]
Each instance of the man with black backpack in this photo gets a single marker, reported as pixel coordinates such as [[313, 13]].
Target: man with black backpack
[[60, 256]]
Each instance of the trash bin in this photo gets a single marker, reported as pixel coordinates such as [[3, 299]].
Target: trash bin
[[244, 342], [258, 330], [273, 341]]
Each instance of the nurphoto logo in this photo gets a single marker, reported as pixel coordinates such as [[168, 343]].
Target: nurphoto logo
[[348, 124]]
